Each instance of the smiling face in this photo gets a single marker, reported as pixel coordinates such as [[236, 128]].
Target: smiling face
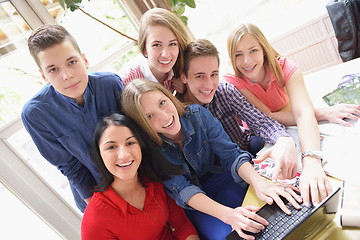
[[202, 79], [162, 50], [161, 113], [250, 58], [120, 152], [65, 69]]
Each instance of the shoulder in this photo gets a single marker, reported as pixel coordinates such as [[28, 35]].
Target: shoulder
[[193, 109], [288, 67], [234, 80], [104, 77], [229, 77], [226, 87], [133, 73], [197, 113], [41, 98], [286, 63]]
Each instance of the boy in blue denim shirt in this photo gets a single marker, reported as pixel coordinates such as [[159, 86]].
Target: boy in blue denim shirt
[[62, 116]]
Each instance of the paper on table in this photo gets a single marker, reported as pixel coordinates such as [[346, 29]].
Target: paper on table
[[350, 206], [342, 154]]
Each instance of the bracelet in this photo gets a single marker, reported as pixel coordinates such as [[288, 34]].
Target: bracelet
[[313, 153]]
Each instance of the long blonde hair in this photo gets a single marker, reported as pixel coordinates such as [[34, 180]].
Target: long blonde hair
[[270, 54], [130, 102], [163, 17]]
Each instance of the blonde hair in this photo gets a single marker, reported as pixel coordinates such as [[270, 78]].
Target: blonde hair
[[163, 17], [270, 54], [130, 102]]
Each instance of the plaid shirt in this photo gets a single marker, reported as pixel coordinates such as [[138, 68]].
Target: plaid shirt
[[228, 104]]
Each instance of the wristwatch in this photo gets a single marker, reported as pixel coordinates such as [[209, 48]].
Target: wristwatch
[[313, 153]]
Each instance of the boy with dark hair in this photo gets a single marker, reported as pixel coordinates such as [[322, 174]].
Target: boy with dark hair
[[62, 116], [226, 103]]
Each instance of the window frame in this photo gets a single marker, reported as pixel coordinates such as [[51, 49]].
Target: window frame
[[16, 174]]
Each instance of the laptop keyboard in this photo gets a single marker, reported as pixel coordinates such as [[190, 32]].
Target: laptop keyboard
[[279, 223]]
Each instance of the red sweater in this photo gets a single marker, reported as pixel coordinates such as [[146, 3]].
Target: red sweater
[[108, 216]]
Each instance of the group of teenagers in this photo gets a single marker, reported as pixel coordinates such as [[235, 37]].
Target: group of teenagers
[[166, 151]]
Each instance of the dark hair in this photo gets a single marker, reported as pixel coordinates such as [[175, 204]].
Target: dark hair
[[199, 48], [46, 36], [153, 165]]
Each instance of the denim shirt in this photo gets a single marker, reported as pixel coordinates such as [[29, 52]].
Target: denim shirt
[[207, 149]]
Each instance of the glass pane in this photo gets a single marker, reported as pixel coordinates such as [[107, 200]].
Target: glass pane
[[96, 40], [19, 222], [19, 76], [273, 17], [25, 147]]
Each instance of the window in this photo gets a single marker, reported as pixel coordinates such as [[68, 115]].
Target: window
[[23, 171]]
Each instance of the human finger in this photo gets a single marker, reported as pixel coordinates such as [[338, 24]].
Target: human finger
[[276, 172], [254, 216], [281, 205], [322, 190], [244, 235], [305, 192], [314, 192], [291, 196]]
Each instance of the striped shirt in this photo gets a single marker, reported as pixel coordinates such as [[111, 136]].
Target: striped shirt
[[228, 104], [142, 70]]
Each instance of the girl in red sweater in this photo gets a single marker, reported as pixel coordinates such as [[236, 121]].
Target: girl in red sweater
[[127, 205]]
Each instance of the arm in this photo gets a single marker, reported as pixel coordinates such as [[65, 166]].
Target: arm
[[283, 152], [55, 153], [337, 113], [334, 114], [313, 181], [284, 117], [261, 124], [245, 218]]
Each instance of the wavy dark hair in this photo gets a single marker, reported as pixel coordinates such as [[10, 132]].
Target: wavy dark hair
[[153, 165]]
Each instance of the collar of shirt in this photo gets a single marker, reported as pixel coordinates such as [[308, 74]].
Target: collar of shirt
[[186, 127], [145, 69], [87, 97], [111, 197]]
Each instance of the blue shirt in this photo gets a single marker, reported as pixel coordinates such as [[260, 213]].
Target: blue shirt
[[229, 104], [207, 149], [62, 129]]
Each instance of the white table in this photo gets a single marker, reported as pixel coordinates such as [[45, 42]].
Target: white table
[[326, 80]]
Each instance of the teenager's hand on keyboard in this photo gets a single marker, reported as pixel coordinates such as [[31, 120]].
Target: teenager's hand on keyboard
[[245, 219], [313, 183], [270, 192]]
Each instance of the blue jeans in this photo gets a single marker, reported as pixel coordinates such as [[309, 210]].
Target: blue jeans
[[222, 189]]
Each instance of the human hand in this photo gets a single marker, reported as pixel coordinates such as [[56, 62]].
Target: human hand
[[270, 192], [245, 219], [284, 155], [178, 85], [338, 113], [313, 183]]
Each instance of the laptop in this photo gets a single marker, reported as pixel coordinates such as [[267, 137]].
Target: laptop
[[301, 224]]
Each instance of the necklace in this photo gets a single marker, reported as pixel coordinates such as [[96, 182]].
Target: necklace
[[167, 224]]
